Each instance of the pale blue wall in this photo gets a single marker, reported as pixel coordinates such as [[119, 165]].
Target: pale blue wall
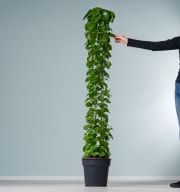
[[42, 89]]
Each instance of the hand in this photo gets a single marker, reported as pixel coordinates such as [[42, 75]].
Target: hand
[[121, 39]]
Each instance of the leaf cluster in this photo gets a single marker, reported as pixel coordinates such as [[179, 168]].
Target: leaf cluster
[[98, 34]]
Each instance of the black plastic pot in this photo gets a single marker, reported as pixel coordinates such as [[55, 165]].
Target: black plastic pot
[[96, 172]]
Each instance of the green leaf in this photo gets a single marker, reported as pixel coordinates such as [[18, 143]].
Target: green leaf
[[105, 15], [86, 127], [111, 34], [109, 47], [108, 64], [87, 14], [102, 154], [96, 11], [87, 26], [112, 16]]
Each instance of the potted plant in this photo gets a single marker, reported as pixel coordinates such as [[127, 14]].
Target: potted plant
[[96, 153]]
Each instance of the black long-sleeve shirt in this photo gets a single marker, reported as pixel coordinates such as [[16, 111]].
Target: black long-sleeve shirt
[[170, 44]]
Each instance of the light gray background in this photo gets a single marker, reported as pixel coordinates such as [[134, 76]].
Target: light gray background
[[42, 89]]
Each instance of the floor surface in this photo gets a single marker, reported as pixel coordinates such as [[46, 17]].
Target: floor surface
[[78, 186]]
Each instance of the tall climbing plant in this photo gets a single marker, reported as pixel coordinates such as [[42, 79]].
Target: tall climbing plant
[[97, 130]]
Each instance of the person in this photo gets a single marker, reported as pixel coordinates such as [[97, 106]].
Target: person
[[169, 44]]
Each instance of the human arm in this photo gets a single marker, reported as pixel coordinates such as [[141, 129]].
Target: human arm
[[169, 44]]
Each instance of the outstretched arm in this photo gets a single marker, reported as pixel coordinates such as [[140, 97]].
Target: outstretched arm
[[169, 44]]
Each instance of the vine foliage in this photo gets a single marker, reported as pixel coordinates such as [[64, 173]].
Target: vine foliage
[[97, 130]]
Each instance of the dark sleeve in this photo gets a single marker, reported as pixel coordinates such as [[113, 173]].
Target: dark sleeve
[[169, 44]]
